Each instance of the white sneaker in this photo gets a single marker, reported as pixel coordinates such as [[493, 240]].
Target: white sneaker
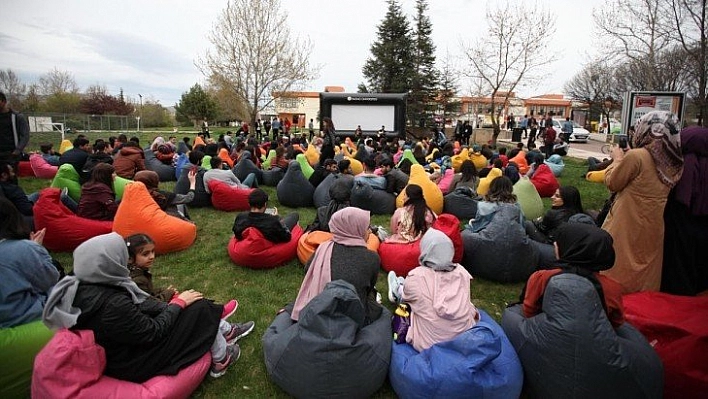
[[393, 284]]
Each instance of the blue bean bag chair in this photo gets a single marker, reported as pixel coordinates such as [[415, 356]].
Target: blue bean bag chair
[[182, 160], [201, 197], [245, 167], [19, 345], [321, 196], [461, 202], [164, 172], [272, 177], [571, 350], [479, 363], [555, 162], [378, 202], [329, 353], [294, 190]]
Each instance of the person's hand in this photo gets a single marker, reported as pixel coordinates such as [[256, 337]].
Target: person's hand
[[38, 236], [192, 177], [190, 296], [275, 211], [173, 288], [617, 153]]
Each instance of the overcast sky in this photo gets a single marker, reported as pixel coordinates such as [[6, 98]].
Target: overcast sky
[[149, 47]]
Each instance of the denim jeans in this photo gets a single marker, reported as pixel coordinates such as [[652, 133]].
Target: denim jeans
[[65, 199], [251, 180]]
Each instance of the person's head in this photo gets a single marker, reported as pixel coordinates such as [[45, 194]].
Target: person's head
[[386, 165], [468, 170], [501, 190], [45, 148], [122, 138], [350, 226], [340, 191], [216, 163], [149, 178], [211, 149], [658, 133], [195, 157], [369, 165], [502, 150], [99, 147], [7, 172], [584, 245], [327, 123], [12, 223], [567, 197], [141, 250], [104, 259], [186, 140], [436, 251], [258, 200], [103, 173], [330, 165], [414, 197], [81, 144], [497, 163], [172, 139], [136, 140], [520, 146], [3, 101], [345, 167]]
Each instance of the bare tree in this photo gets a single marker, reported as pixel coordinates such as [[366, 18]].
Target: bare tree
[[511, 52], [13, 88], [255, 55], [58, 82], [595, 86]]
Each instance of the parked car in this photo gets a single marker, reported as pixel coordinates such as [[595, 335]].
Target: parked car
[[580, 134]]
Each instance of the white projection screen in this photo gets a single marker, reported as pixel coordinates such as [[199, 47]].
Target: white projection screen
[[370, 117]]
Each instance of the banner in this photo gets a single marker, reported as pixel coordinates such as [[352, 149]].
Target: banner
[[638, 103]]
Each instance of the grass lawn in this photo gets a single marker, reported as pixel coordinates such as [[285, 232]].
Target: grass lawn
[[206, 267]]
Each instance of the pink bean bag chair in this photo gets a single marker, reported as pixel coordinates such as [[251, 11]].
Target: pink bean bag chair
[[444, 183], [255, 252], [24, 169], [42, 168], [545, 182], [228, 198], [72, 364], [65, 230], [677, 328]]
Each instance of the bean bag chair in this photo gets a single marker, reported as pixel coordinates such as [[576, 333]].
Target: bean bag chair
[[321, 195], [461, 202], [245, 167], [378, 202], [432, 156], [479, 160], [521, 162], [68, 178], [444, 183], [308, 243], [408, 154], [397, 156], [677, 329], [528, 198], [501, 251], [255, 252], [456, 160], [19, 345], [139, 213], [294, 190], [182, 160], [72, 365], [596, 176], [272, 177], [329, 353], [485, 182], [206, 162], [571, 350], [41, 168], [350, 145], [312, 155], [201, 197], [65, 145], [479, 363], [224, 156], [229, 198], [65, 230], [119, 184], [305, 167], [546, 184], [555, 162], [431, 192], [356, 165], [164, 172], [450, 225], [269, 159]]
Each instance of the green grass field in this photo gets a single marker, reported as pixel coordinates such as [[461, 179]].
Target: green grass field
[[206, 267]]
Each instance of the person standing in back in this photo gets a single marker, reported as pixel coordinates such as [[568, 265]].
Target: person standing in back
[[14, 133]]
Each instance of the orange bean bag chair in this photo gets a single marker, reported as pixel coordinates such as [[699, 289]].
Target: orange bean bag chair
[[309, 242], [312, 155], [42, 168], [139, 213], [520, 160], [224, 155], [229, 198], [485, 182], [65, 230], [255, 252], [545, 182], [431, 192], [24, 169]]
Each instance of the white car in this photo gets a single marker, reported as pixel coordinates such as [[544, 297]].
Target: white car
[[580, 134]]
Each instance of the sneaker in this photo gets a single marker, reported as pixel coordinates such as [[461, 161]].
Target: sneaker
[[233, 352], [229, 309], [393, 284], [238, 331]]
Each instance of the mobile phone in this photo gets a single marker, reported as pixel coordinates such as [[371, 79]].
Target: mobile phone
[[271, 211], [623, 143]]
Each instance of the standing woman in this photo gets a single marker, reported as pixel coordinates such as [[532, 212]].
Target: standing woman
[[327, 151], [641, 179]]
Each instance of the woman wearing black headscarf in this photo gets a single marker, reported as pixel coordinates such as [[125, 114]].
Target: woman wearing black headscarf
[[565, 203], [339, 193]]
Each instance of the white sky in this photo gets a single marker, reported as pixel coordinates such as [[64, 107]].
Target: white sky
[[149, 47]]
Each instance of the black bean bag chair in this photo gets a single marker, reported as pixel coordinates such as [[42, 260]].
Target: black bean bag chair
[[321, 196], [201, 197], [501, 251], [329, 353], [379, 202], [571, 350], [294, 190], [461, 202], [164, 172], [245, 166], [272, 177]]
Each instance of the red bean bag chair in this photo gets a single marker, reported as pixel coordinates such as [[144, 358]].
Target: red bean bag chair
[[24, 169], [139, 213], [450, 225], [255, 252], [72, 365], [308, 243], [228, 198], [65, 230], [677, 328], [42, 168], [545, 182]]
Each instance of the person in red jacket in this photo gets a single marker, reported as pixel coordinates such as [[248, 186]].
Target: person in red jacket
[[129, 160], [98, 201]]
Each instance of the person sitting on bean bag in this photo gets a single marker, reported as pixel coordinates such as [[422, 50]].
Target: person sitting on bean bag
[[396, 179], [339, 192], [227, 176], [101, 154], [344, 257], [565, 203], [467, 177], [173, 204], [410, 222], [98, 200], [368, 176], [438, 292], [129, 160], [271, 226], [322, 171]]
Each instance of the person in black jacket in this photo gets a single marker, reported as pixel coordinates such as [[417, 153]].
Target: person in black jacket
[[322, 171], [565, 203], [273, 228], [77, 156]]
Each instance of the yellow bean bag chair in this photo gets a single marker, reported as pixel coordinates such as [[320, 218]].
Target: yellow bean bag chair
[[269, 159], [459, 158], [431, 192], [348, 152], [479, 160], [596, 176], [312, 155], [350, 144], [432, 156], [139, 213], [65, 145], [308, 243], [485, 182], [356, 165]]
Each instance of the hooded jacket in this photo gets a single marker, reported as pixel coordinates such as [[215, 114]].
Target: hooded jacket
[[129, 161], [98, 202]]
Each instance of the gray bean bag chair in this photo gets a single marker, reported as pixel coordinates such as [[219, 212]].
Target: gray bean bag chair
[[165, 172], [272, 177], [321, 196], [500, 250], [245, 166], [201, 197], [571, 350], [379, 202], [294, 190], [461, 202], [329, 353]]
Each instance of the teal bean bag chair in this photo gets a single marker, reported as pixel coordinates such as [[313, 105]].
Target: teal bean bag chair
[[528, 198], [18, 346], [555, 162]]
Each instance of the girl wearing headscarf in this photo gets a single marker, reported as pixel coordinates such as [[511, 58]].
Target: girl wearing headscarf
[[142, 337], [339, 192], [585, 250], [438, 292], [410, 222], [641, 179], [343, 257], [565, 203]]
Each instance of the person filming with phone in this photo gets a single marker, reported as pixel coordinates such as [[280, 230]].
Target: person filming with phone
[[264, 219]]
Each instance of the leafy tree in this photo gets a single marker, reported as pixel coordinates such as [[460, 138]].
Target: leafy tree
[[447, 89], [97, 101], [595, 85], [230, 106], [32, 102], [195, 105], [390, 68], [154, 115], [425, 79], [58, 82]]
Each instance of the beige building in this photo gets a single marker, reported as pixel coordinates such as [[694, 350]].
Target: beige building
[[301, 106]]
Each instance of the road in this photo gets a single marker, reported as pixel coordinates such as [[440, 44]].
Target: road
[[581, 150]]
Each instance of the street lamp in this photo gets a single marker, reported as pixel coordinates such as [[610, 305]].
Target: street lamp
[[140, 114]]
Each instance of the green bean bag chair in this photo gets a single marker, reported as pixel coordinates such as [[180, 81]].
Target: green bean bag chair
[[68, 178], [206, 162], [268, 160], [528, 198], [408, 154], [19, 345], [305, 166]]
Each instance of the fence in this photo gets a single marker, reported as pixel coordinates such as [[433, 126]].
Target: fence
[[42, 122]]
